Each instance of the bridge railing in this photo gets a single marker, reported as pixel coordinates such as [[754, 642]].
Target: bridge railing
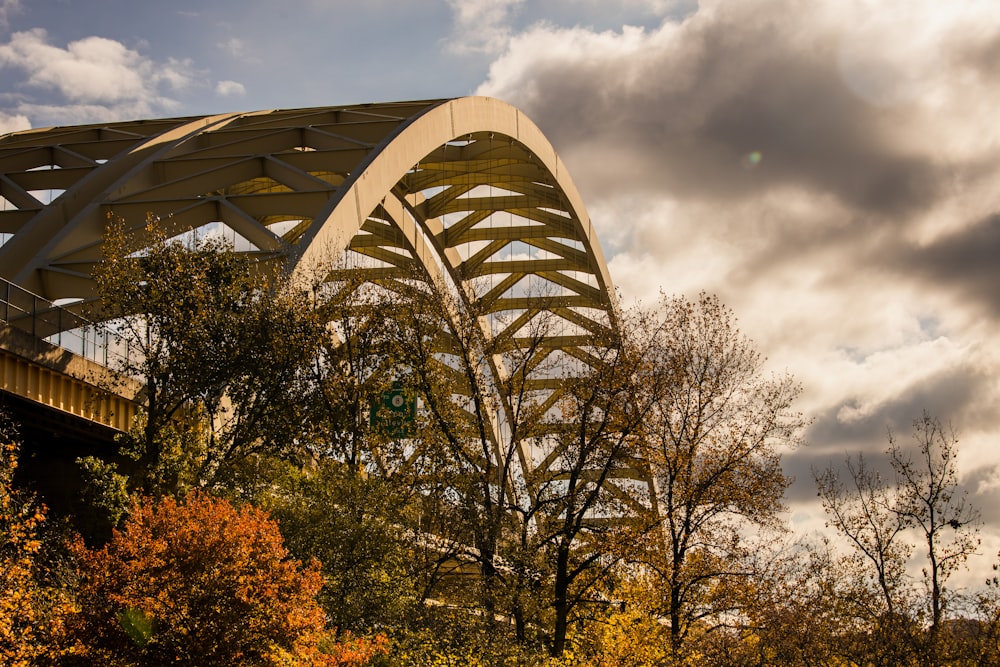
[[63, 328]]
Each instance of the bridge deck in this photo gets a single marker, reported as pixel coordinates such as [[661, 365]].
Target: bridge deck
[[50, 376]]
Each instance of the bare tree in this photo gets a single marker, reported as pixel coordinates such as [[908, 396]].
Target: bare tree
[[493, 400], [598, 487], [865, 510], [876, 515], [930, 500]]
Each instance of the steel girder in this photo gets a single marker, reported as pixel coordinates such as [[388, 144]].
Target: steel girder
[[465, 189]]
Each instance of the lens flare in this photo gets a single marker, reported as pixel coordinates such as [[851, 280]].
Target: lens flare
[[752, 159]]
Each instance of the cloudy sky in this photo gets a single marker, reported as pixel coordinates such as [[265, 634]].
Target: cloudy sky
[[830, 168]]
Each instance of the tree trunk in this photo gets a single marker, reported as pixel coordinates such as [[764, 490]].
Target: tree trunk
[[561, 602]]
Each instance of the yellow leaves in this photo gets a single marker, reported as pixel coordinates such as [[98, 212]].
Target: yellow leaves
[[628, 639], [25, 604]]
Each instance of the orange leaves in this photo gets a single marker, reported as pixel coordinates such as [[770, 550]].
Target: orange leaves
[[197, 581], [354, 651]]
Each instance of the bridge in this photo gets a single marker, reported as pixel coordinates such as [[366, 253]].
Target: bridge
[[466, 191]]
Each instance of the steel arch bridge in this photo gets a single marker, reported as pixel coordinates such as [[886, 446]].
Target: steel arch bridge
[[465, 189]]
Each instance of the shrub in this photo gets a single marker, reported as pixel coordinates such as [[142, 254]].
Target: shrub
[[195, 582]]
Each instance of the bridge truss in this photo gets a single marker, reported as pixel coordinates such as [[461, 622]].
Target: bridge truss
[[465, 190]]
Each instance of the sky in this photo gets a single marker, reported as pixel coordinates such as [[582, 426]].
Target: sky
[[829, 168]]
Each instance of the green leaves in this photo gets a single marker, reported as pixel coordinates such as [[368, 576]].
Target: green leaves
[[137, 624], [224, 351]]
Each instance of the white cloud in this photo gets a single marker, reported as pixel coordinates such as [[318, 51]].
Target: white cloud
[[94, 73], [481, 26], [240, 50], [904, 52], [13, 123], [7, 9], [234, 46], [230, 88]]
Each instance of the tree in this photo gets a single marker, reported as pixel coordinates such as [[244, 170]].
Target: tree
[[712, 443], [797, 608], [371, 479], [623, 638], [220, 346], [582, 511], [981, 645], [355, 524], [493, 398], [866, 512], [469, 441], [865, 509], [195, 582], [875, 514], [390, 478], [352, 368], [931, 502], [355, 651]]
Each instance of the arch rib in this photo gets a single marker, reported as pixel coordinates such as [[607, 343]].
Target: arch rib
[[469, 189]]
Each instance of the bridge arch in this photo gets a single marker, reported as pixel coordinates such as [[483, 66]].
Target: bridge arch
[[466, 189]]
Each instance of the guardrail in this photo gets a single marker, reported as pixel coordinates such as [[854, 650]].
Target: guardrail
[[58, 326]]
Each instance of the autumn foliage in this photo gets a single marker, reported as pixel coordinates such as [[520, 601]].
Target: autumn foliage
[[21, 600], [197, 582], [651, 534]]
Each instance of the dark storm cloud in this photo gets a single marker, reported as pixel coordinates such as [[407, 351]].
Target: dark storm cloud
[[951, 396], [967, 262], [955, 396], [979, 485], [984, 494], [725, 105], [980, 58]]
